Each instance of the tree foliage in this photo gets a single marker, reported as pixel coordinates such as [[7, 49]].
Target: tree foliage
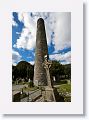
[[23, 70], [60, 71]]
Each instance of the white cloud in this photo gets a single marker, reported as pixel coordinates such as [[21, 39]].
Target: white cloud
[[26, 40], [13, 22], [32, 62], [62, 31], [59, 23], [65, 58], [28, 36], [16, 57], [18, 33], [14, 64]]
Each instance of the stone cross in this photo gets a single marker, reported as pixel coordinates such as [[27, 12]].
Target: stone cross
[[47, 64]]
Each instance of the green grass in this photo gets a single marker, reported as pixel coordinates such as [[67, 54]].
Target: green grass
[[65, 90]]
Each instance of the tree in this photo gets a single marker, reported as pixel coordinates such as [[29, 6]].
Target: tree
[[67, 70], [56, 69], [60, 71], [23, 70]]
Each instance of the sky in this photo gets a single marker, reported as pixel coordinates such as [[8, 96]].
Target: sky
[[58, 33]]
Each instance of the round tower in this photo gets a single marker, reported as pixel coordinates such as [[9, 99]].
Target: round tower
[[40, 51]]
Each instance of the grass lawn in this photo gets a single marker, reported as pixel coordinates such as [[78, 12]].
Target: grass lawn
[[64, 88], [65, 91]]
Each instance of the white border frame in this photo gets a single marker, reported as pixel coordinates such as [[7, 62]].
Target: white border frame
[[76, 104]]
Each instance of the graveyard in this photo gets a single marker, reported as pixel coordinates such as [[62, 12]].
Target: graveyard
[[26, 92], [45, 81]]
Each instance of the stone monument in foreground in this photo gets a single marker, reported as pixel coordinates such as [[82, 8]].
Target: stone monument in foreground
[[42, 64]]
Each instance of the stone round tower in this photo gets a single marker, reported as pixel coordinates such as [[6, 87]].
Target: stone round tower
[[40, 51]]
